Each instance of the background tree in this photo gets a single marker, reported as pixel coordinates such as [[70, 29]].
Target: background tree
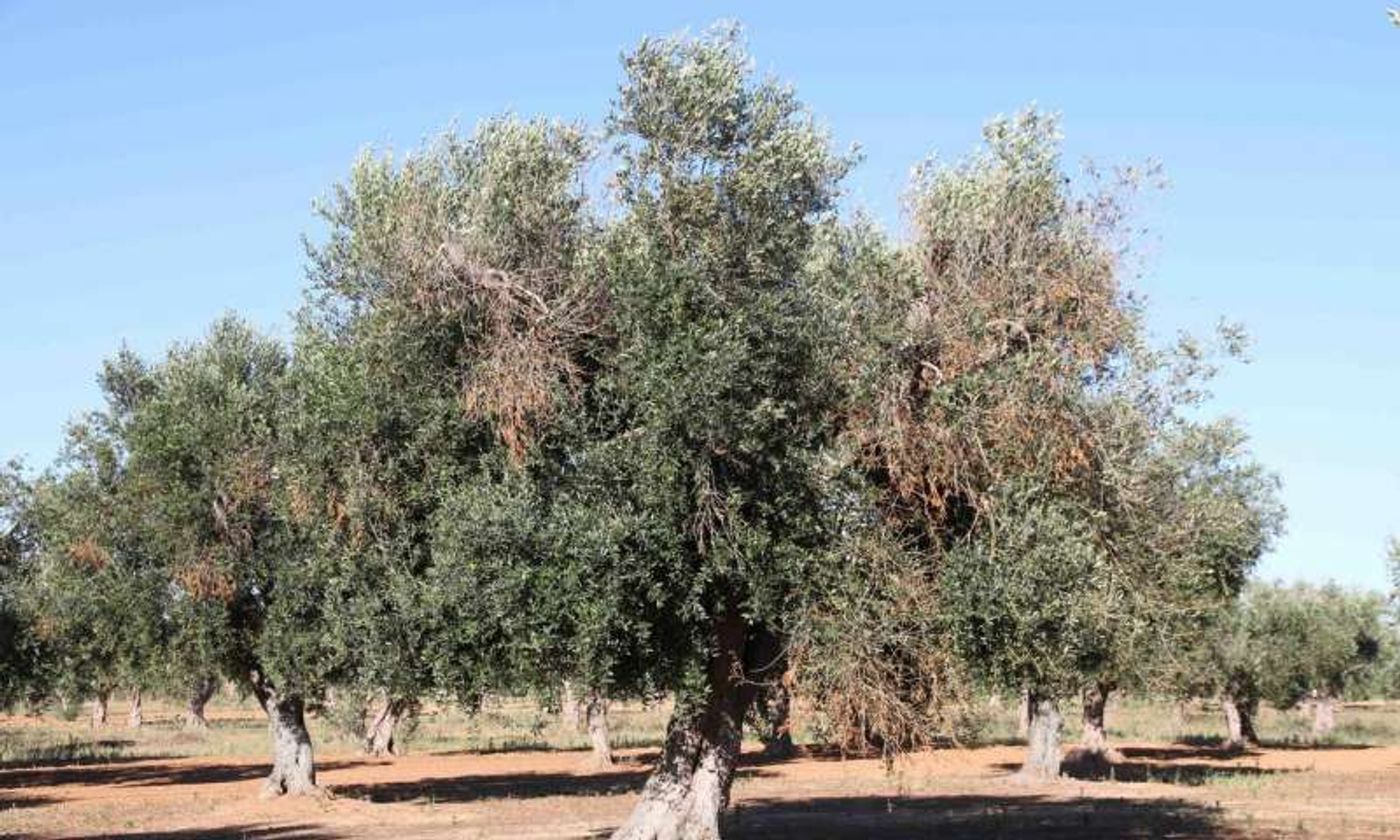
[[206, 448], [19, 651], [94, 591], [1310, 643], [1005, 405], [441, 340]]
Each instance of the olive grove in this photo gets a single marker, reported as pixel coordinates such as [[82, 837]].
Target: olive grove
[[698, 433]]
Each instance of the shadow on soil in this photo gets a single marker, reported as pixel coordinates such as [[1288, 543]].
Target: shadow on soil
[[144, 771], [1191, 766], [1033, 816], [237, 832], [627, 777]]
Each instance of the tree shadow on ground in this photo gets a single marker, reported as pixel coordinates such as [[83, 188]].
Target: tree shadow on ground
[[626, 778], [1162, 765], [971, 816], [139, 772], [61, 755], [1218, 744], [237, 832], [9, 803]]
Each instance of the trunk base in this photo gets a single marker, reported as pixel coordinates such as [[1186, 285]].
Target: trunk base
[[687, 793], [1239, 724], [600, 756], [382, 737], [293, 763], [1043, 756]]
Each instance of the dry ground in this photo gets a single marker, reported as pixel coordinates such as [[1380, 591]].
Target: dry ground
[[62, 779]]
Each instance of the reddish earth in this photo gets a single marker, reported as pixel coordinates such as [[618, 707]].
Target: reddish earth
[[1158, 791]]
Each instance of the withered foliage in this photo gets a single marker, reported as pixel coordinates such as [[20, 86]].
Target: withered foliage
[[874, 660], [203, 579], [477, 244], [89, 554], [1017, 313]]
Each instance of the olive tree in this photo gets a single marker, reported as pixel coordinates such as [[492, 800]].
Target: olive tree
[[206, 446], [94, 589], [1016, 424], [20, 656], [1310, 642], [444, 334]]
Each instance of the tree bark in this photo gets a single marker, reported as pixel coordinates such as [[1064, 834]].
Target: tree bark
[[1324, 715], [596, 710], [203, 692], [1095, 740], [99, 708], [1239, 722], [688, 791], [569, 706], [133, 718], [293, 764], [1043, 740], [777, 720], [380, 738], [1023, 720]]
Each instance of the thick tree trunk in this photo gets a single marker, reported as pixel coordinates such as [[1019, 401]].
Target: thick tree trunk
[[597, 713], [777, 720], [133, 718], [380, 737], [203, 692], [1043, 740], [99, 708], [1095, 740], [688, 790], [570, 709], [293, 764], [1023, 720], [1239, 722], [1324, 715]]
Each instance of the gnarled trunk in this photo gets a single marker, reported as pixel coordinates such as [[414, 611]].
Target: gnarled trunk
[[99, 708], [199, 698], [380, 737], [1023, 714], [777, 719], [569, 706], [133, 718], [1095, 740], [1324, 709], [688, 790], [1239, 722], [1043, 740], [293, 764], [597, 713]]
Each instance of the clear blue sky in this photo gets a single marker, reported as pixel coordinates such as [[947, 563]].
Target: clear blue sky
[[157, 164]]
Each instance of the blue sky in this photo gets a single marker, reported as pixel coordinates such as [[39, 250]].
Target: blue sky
[[158, 161]]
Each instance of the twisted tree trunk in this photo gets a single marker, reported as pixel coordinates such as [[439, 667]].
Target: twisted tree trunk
[[133, 718], [293, 764], [1324, 709], [1023, 718], [99, 707], [199, 698], [569, 706], [777, 719], [597, 713], [1239, 722], [1043, 740], [1095, 740], [688, 791], [380, 738]]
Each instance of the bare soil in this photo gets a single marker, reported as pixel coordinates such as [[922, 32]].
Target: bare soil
[[1157, 791]]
